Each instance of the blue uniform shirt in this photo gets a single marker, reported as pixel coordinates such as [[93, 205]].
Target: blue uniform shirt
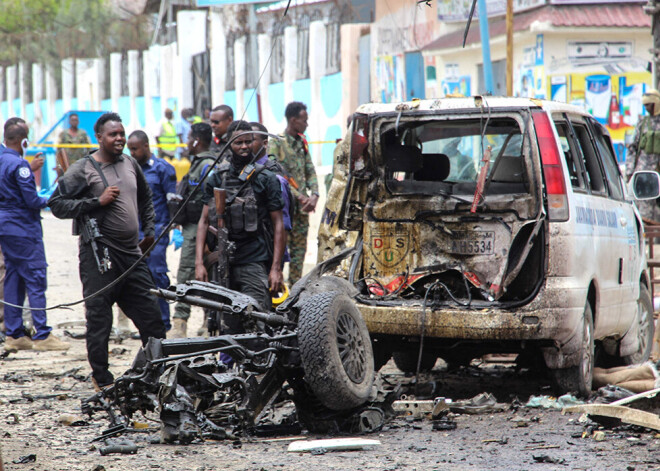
[[161, 178], [20, 204]]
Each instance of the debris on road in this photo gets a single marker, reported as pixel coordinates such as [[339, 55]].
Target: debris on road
[[549, 402], [332, 444], [25, 459], [604, 413], [123, 447], [483, 403]]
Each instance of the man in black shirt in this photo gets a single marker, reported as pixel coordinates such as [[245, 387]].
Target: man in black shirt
[[256, 269], [109, 188]]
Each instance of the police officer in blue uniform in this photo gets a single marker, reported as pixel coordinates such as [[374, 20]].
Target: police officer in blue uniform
[[21, 239], [161, 178]]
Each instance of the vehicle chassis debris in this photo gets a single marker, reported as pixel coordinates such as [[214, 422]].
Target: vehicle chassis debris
[[201, 394]]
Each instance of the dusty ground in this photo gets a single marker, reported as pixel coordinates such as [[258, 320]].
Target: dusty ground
[[38, 389]]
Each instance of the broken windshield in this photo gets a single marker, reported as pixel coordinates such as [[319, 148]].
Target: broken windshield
[[445, 157]]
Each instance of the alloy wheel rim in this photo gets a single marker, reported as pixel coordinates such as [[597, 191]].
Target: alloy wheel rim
[[352, 351]]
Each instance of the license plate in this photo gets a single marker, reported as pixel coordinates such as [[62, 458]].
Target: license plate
[[472, 243]]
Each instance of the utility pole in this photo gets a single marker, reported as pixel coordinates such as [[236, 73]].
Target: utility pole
[[653, 8], [509, 47]]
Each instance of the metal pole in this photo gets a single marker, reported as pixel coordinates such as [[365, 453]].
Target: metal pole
[[509, 47], [485, 47], [653, 8]]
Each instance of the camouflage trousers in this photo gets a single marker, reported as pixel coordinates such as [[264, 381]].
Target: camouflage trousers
[[297, 244]]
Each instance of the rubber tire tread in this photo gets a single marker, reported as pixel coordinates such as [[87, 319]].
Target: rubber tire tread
[[645, 297], [319, 353], [406, 361], [569, 380]]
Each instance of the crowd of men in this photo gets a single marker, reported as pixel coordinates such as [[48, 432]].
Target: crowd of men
[[121, 206]]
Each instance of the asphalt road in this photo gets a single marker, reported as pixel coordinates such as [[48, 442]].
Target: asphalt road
[[41, 393]]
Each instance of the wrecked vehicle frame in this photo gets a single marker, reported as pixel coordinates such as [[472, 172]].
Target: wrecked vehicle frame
[[315, 351]]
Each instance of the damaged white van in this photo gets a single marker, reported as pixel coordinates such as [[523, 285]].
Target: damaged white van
[[485, 224]]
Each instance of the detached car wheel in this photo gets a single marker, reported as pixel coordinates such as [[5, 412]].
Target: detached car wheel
[[335, 351], [578, 378], [646, 328], [406, 361]]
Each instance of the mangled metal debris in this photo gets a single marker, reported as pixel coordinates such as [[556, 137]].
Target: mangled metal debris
[[314, 353]]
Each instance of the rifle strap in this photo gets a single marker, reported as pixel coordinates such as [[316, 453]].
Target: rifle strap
[[97, 167], [231, 198]]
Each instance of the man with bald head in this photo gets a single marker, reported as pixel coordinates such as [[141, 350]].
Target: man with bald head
[[21, 239], [643, 151]]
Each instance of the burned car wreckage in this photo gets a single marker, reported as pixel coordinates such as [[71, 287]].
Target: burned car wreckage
[[452, 228], [314, 350]]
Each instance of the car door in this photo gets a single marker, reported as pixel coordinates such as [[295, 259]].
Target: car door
[[597, 251], [625, 234]]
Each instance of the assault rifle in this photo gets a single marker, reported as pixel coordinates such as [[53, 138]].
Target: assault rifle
[[223, 240], [89, 233]]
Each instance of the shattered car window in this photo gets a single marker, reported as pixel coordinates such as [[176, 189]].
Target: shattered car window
[[437, 157]]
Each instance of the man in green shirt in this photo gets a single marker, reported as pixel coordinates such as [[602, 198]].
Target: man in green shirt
[[74, 135], [292, 152]]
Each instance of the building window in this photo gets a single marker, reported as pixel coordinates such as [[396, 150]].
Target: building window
[[302, 58], [230, 82], [333, 49]]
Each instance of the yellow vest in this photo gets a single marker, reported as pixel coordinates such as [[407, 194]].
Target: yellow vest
[[168, 136]]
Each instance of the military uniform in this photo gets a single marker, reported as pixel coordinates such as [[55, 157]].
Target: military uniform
[[81, 137], [249, 226], [201, 164], [644, 154], [293, 154]]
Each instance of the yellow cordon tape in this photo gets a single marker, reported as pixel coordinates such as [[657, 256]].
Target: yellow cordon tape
[[87, 146]]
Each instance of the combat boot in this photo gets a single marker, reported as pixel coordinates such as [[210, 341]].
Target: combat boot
[[21, 343], [50, 343], [179, 329]]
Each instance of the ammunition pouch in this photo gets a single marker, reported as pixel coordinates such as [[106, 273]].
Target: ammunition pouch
[[243, 218], [649, 142]]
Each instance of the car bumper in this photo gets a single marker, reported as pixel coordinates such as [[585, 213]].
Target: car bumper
[[555, 314]]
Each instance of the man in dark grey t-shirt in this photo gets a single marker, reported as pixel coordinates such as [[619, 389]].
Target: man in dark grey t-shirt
[[109, 188]]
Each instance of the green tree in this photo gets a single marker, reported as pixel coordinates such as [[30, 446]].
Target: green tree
[[48, 31]]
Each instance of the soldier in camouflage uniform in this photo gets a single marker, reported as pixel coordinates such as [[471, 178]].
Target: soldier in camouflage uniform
[[74, 135], [292, 152], [644, 151]]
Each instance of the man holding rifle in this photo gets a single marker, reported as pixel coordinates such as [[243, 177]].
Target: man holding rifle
[[108, 196], [252, 219]]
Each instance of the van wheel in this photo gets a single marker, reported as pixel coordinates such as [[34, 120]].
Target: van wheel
[[578, 378], [406, 361], [646, 328], [335, 351]]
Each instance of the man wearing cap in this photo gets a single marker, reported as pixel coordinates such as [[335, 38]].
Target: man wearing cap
[[644, 150]]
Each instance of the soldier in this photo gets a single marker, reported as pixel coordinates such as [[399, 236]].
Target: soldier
[[74, 135], [643, 151], [292, 152], [221, 117], [254, 223], [201, 159]]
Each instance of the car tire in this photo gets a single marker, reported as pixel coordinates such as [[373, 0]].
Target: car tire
[[335, 351], [578, 379], [406, 361], [646, 328]]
